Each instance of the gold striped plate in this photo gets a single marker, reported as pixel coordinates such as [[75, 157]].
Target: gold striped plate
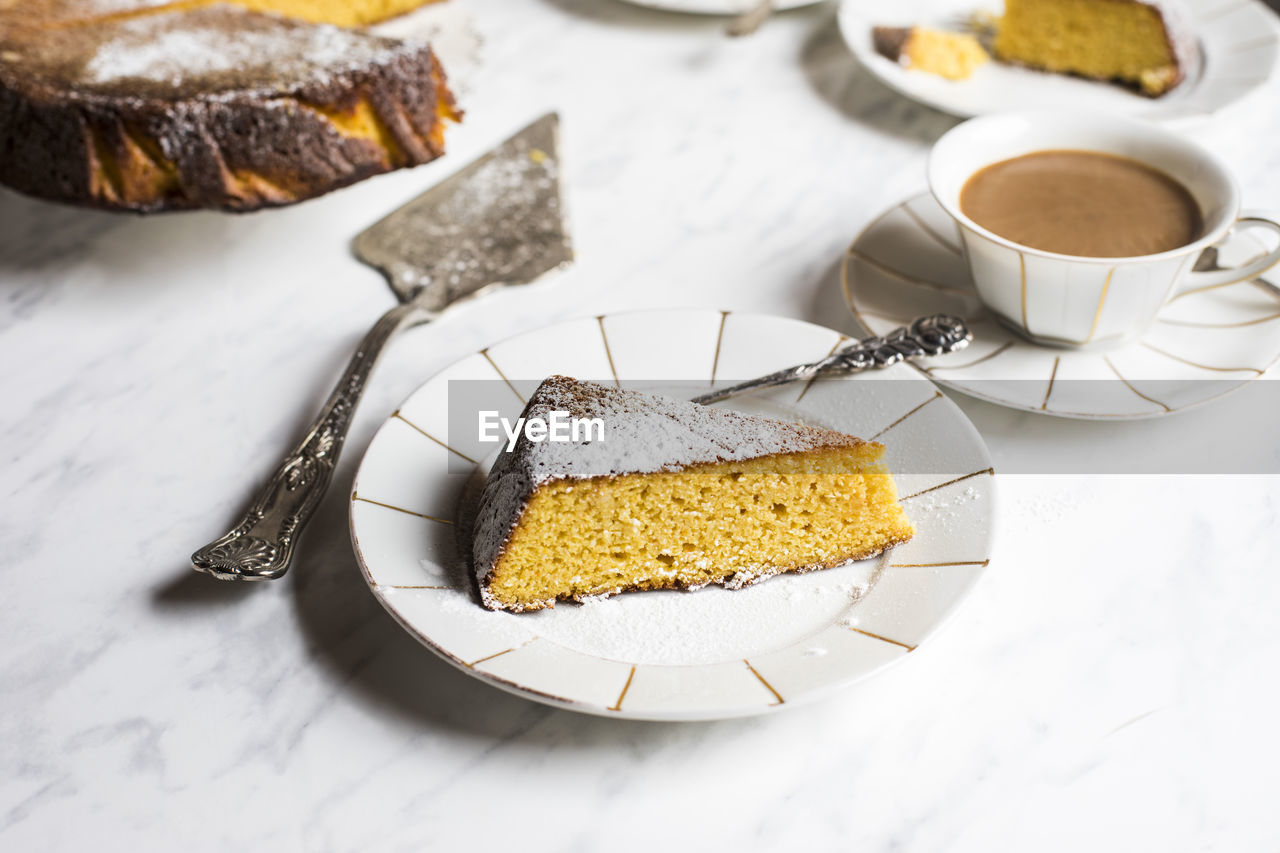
[[1204, 343], [673, 655]]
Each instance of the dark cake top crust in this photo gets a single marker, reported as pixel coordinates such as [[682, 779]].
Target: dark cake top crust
[[196, 54]]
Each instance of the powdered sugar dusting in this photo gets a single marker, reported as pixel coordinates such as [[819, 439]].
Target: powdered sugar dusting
[[649, 432], [709, 626], [947, 508], [179, 49]]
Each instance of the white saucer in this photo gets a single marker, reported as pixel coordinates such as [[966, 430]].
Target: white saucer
[[674, 655], [1205, 343], [1238, 40]]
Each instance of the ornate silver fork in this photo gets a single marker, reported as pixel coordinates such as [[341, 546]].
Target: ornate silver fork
[[926, 336]]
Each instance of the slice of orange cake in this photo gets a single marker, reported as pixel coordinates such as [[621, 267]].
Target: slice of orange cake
[[1146, 44], [657, 493]]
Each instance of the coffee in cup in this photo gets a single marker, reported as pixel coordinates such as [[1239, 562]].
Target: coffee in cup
[[1082, 203], [1079, 227]]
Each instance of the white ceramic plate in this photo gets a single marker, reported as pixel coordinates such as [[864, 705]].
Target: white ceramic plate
[[675, 655], [716, 7], [1204, 343], [1238, 40]]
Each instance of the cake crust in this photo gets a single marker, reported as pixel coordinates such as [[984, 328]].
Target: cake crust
[[889, 41]]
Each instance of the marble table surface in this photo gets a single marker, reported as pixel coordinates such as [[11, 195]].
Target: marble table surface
[[1110, 685]]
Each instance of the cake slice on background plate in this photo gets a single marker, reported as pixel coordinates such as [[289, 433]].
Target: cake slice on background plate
[[672, 495], [1145, 44], [954, 56]]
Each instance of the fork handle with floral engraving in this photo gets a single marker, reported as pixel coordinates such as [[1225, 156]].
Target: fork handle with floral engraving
[[261, 545], [926, 336]]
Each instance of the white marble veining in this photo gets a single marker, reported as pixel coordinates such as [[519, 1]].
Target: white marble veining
[[1111, 684]]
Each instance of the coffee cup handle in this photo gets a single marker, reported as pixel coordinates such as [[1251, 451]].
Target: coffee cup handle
[[1251, 270]]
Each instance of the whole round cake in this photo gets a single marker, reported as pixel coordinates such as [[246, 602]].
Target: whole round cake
[[148, 106]]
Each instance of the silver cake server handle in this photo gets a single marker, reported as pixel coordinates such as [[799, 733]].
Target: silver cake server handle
[[938, 334], [260, 546], [498, 222]]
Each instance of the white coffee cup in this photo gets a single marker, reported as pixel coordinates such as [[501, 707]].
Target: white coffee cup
[[1070, 301]]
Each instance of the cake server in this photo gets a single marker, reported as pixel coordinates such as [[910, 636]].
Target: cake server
[[496, 223]]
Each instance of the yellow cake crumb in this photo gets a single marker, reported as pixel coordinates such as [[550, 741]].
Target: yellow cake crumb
[[954, 56]]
